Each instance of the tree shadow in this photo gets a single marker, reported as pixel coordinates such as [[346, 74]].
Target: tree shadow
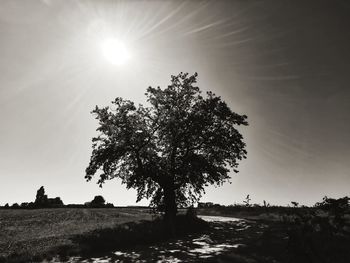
[[240, 241], [150, 241], [107, 241]]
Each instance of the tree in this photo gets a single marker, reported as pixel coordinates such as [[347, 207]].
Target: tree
[[294, 203], [24, 205], [247, 201], [171, 149], [266, 205], [98, 201], [15, 206], [41, 198], [55, 202]]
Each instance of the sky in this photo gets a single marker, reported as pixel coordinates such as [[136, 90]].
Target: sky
[[285, 64]]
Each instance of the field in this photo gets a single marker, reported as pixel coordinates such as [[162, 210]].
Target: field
[[38, 231], [130, 234]]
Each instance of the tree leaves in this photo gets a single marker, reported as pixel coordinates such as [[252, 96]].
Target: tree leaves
[[181, 140]]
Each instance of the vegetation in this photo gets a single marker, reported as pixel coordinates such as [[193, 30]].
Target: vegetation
[[170, 150], [31, 234], [42, 201], [98, 202], [267, 234]]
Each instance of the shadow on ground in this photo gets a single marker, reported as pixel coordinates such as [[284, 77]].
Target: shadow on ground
[[196, 241], [222, 239], [240, 241]]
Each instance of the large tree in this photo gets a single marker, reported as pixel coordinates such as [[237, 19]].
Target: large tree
[[171, 149]]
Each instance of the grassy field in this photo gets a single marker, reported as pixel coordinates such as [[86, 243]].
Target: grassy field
[[32, 235], [35, 232]]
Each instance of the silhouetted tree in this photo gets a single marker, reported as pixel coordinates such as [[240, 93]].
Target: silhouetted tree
[[247, 201], [41, 198], [98, 201], [109, 205], [6, 205], [295, 204], [336, 207], [15, 206], [55, 202], [31, 205], [266, 205], [170, 150], [24, 205]]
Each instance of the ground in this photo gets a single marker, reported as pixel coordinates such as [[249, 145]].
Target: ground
[[130, 235], [32, 232]]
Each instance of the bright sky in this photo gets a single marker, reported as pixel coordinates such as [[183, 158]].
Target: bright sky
[[285, 64]]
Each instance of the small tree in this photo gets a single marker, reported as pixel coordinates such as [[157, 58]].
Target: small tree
[[109, 205], [24, 205], [170, 150], [98, 201], [15, 206], [295, 204], [41, 198], [266, 205], [247, 201], [55, 202]]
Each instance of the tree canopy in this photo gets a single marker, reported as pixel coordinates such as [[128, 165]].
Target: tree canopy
[[170, 149], [41, 199], [98, 201]]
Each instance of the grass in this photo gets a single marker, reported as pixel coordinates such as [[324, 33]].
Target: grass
[[31, 233], [288, 235], [144, 233], [34, 235]]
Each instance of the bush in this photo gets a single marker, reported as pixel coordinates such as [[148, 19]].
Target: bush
[[98, 202]]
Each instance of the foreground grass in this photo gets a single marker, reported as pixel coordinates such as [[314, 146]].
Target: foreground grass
[[44, 234], [30, 233], [129, 235]]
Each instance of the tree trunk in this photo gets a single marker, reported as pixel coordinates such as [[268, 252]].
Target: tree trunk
[[170, 209]]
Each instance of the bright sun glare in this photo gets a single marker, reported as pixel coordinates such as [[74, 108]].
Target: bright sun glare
[[115, 51]]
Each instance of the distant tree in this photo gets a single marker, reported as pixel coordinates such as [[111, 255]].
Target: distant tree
[[55, 202], [41, 198], [98, 201], [109, 205], [24, 205], [200, 205], [170, 150], [206, 205], [6, 205], [337, 207], [31, 205], [247, 201], [266, 205], [15, 206], [295, 204]]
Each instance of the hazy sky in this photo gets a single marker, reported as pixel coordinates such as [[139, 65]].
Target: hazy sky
[[285, 64]]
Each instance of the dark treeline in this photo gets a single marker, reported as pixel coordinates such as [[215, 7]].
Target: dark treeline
[[332, 205], [327, 204], [42, 201]]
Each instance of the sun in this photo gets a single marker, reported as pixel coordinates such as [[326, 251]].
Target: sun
[[115, 51]]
